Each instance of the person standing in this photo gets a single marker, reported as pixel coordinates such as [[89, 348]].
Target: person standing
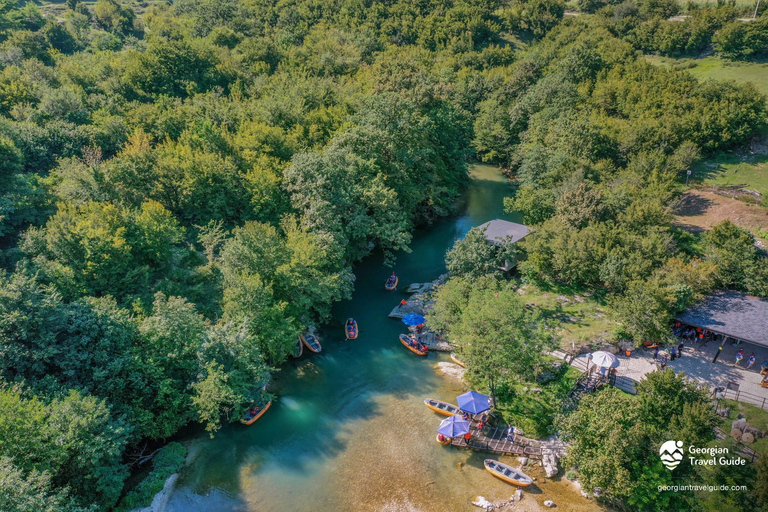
[[739, 356], [402, 303], [511, 433], [663, 362], [672, 354], [656, 353], [751, 360], [680, 349]]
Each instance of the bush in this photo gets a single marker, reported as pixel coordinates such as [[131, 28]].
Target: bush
[[168, 461], [743, 40]]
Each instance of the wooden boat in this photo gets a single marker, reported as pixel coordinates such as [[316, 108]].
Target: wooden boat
[[441, 407], [456, 360], [351, 329], [445, 441], [507, 473], [391, 283], [413, 345], [254, 414], [311, 343], [299, 348]]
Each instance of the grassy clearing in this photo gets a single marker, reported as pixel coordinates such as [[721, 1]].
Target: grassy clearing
[[719, 69], [583, 318], [534, 411], [756, 418], [733, 169], [742, 4]]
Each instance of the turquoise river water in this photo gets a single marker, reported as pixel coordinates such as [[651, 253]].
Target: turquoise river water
[[348, 430]]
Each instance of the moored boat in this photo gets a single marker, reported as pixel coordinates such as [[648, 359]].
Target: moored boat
[[311, 343], [351, 329], [441, 407], [299, 348], [456, 360], [254, 414], [413, 345], [391, 283], [507, 473], [443, 439]]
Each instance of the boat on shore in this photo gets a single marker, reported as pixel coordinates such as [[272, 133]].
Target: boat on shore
[[413, 345], [311, 343], [350, 328], [456, 360], [441, 407], [507, 473], [299, 350], [254, 414], [444, 441], [391, 283]]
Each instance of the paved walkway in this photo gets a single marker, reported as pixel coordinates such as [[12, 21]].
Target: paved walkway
[[697, 364]]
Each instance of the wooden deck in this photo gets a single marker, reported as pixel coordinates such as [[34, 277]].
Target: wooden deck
[[494, 440]]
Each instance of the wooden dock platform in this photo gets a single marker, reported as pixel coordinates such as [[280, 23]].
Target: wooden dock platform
[[494, 440]]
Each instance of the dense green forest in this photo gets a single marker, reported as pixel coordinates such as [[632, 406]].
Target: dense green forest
[[185, 191]]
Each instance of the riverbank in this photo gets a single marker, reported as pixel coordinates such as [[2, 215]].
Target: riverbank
[[348, 430]]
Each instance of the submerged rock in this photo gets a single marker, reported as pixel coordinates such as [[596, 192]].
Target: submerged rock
[[450, 370]]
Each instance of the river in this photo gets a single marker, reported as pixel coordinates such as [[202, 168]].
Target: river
[[348, 430]]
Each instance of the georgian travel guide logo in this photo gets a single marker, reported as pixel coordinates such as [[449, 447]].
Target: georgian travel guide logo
[[671, 454]]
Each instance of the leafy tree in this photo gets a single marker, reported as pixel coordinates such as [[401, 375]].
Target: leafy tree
[[32, 492], [497, 337], [739, 40], [73, 439], [667, 406], [114, 17]]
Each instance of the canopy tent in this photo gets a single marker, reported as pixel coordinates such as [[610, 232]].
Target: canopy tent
[[453, 426], [604, 359], [473, 402], [413, 319]]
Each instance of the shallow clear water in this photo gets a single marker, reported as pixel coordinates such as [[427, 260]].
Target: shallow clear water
[[348, 430]]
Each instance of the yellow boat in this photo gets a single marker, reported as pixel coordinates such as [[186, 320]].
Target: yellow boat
[[254, 414], [445, 441], [441, 407], [456, 360], [507, 473]]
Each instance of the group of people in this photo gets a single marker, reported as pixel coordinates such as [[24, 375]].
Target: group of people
[[693, 333], [674, 353]]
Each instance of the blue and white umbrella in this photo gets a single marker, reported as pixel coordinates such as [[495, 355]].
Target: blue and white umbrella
[[453, 426], [473, 402], [413, 319]]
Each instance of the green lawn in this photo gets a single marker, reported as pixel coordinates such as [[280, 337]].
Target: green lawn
[[719, 69], [756, 418], [732, 169], [534, 411], [583, 318]]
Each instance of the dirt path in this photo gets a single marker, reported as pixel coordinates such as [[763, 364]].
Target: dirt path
[[699, 211]]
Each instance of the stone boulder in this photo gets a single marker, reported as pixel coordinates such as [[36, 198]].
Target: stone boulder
[[549, 461], [483, 503], [549, 503], [740, 424]]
